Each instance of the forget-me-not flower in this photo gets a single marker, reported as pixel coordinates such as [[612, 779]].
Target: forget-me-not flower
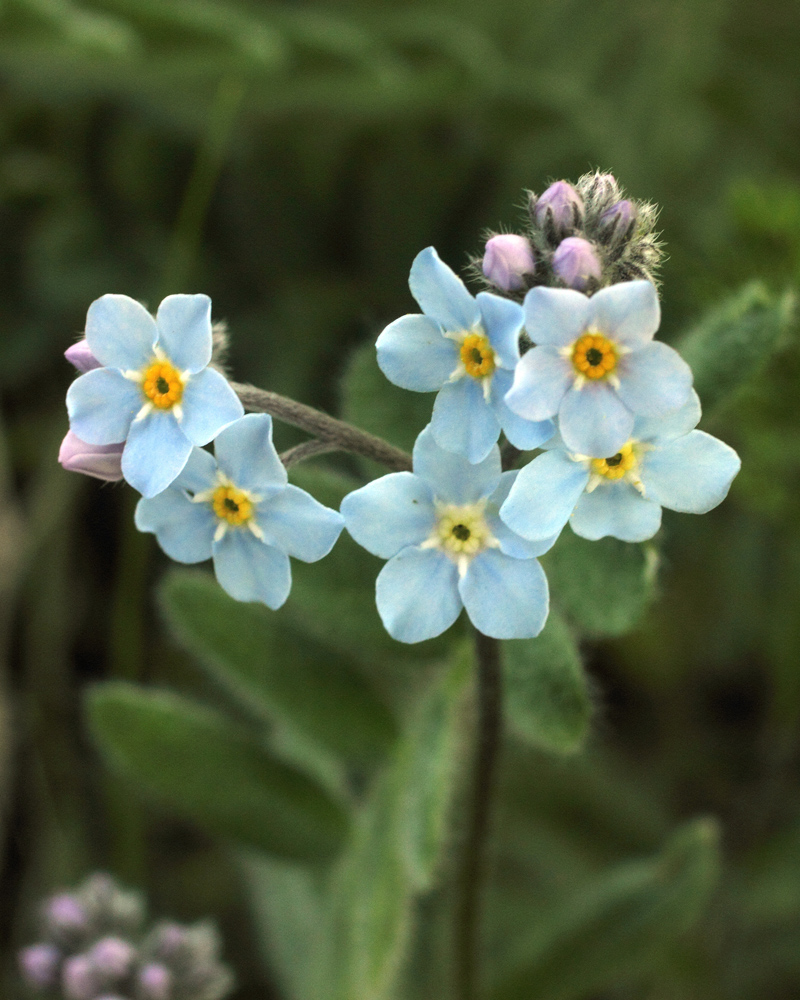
[[596, 365], [447, 548], [666, 463], [240, 511], [466, 348], [153, 390]]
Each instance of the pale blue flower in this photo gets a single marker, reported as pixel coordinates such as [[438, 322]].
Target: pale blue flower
[[447, 548], [239, 510], [666, 463], [596, 365], [466, 348], [153, 389]]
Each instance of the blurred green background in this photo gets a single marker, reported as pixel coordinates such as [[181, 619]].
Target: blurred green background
[[290, 160]]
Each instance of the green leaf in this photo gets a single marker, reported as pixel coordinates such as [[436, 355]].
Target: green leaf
[[614, 929], [200, 765], [278, 674], [602, 587], [735, 340], [546, 696]]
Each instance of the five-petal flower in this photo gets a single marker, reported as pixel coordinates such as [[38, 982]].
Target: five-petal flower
[[153, 390], [447, 548], [240, 510], [467, 348]]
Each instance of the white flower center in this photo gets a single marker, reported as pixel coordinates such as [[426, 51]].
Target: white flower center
[[461, 532]]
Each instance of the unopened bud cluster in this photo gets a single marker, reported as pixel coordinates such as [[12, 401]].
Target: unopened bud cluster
[[583, 236], [94, 948]]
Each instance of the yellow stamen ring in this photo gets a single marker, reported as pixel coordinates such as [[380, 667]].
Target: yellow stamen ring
[[163, 385], [232, 505], [617, 466], [594, 356], [477, 355]]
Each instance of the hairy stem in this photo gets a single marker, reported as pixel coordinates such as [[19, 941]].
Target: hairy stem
[[473, 867], [308, 449], [328, 429]]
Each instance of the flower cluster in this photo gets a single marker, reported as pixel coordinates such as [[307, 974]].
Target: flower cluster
[[94, 947]]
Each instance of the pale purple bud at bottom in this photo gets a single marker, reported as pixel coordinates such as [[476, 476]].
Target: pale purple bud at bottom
[[102, 461], [112, 957], [507, 258], [155, 981], [619, 216], [575, 263], [79, 978], [80, 356], [64, 913], [563, 201], [39, 965]]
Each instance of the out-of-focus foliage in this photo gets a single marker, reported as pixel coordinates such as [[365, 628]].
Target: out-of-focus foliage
[[290, 160]]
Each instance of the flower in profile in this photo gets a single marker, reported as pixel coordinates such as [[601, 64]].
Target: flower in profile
[[666, 463], [447, 548], [102, 461], [596, 365], [153, 392], [239, 510], [467, 348]]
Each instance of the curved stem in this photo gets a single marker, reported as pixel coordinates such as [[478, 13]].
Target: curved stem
[[327, 429], [308, 449], [473, 868]]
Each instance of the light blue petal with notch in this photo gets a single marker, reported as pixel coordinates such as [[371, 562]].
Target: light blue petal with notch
[[555, 316], [523, 434], [505, 598], [442, 295], [101, 405], [184, 529], [502, 321], [417, 594], [120, 332], [594, 421], [654, 381], [462, 420], [691, 474], [676, 424], [249, 570], [616, 509], [184, 331], [209, 405], [390, 513], [246, 455], [541, 379], [155, 453], [544, 495], [511, 543], [627, 312], [414, 354], [451, 477], [299, 525]]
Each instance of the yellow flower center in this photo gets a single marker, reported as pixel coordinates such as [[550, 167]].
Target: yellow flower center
[[477, 355], [162, 385], [618, 465], [594, 356], [232, 505]]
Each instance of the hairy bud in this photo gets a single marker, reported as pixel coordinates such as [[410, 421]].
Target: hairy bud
[[576, 264], [507, 260], [560, 209]]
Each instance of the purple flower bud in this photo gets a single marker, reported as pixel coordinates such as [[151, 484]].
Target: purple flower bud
[[170, 940], [575, 263], [39, 965], [563, 202], [155, 981], [79, 978], [64, 914], [80, 356], [112, 957], [619, 217], [103, 461], [507, 258]]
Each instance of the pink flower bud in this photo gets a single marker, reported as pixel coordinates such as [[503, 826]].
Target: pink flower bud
[[155, 981], [39, 965], [507, 259], [563, 203], [103, 461], [64, 914], [575, 263], [619, 217], [80, 356], [79, 979], [112, 957]]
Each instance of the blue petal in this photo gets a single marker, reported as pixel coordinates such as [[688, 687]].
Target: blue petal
[[184, 331], [594, 421], [184, 529], [540, 381], [249, 570], [246, 455], [101, 405], [616, 509], [505, 598], [155, 453], [451, 477], [523, 434], [442, 295], [120, 332], [511, 543], [544, 495], [502, 320], [414, 354], [555, 316], [673, 425], [654, 381], [417, 594], [299, 525], [627, 312], [691, 473], [209, 405], [390, 513], [462, 420], [199, 474]]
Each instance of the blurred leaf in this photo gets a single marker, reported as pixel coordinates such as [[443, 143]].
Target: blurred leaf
[[273, 671], [546, 696], [735, 340], [618, 926], [199, 764]]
